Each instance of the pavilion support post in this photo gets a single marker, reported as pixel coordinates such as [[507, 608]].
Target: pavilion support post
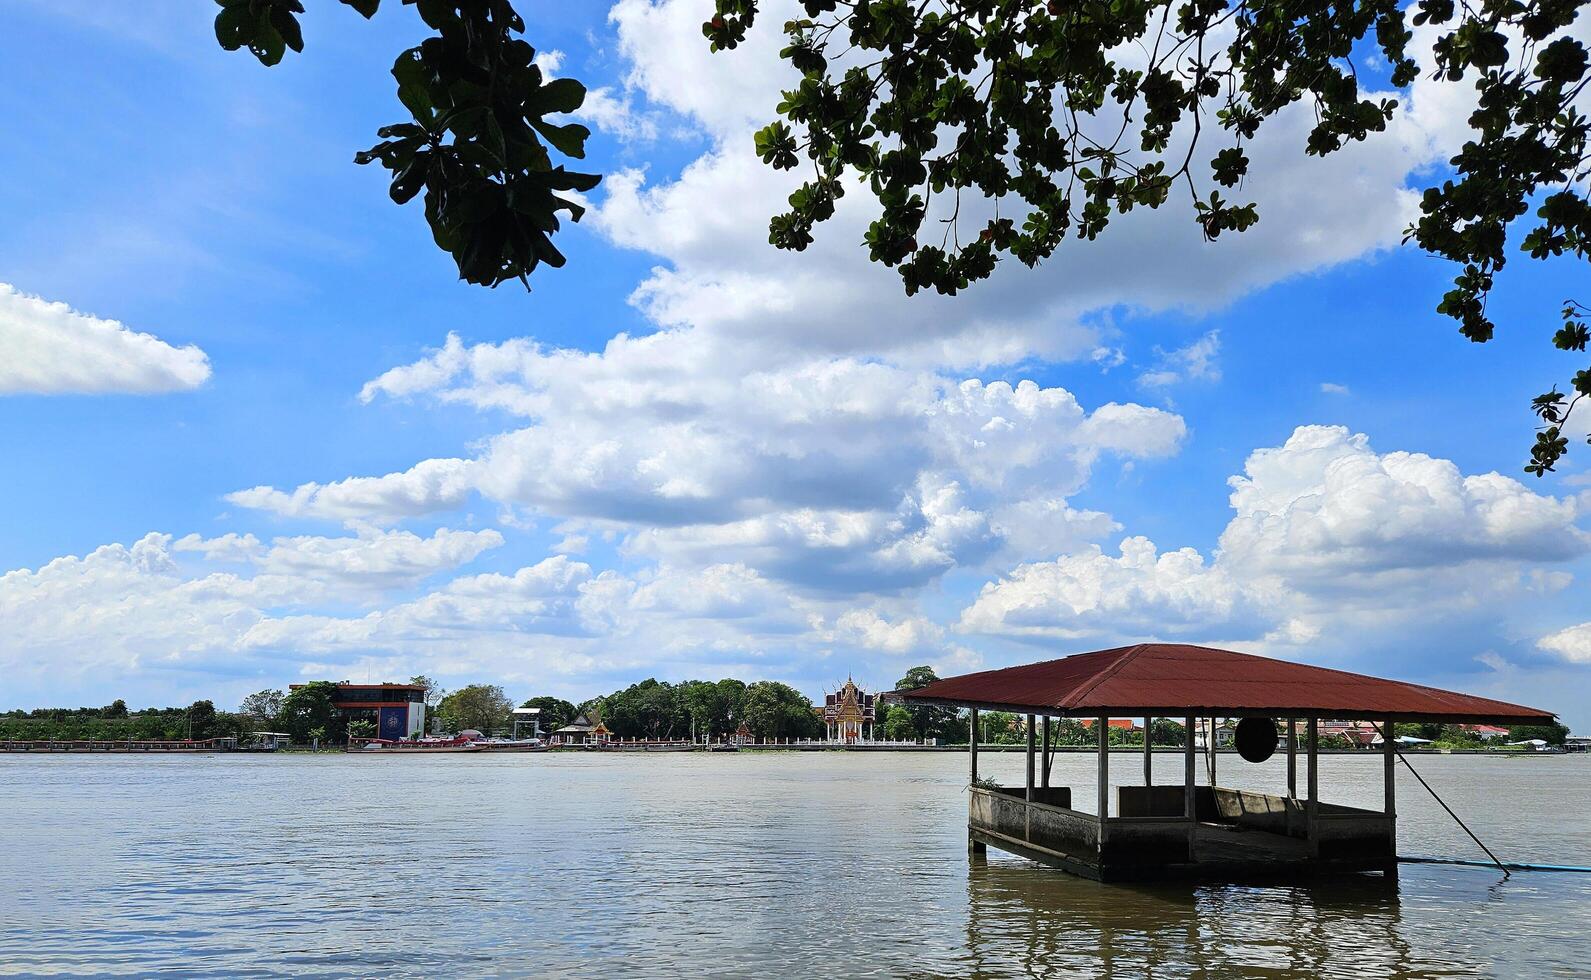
[[1313, 748], [1103, 725], [1389, 758], [1189, 811], [1292, 758], [1030, 758], [1209, 748], [975, 847], [972, 746], [1149, 759], [1044, 758]]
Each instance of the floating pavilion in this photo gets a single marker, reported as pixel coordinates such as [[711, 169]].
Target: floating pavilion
[[1190, 830]]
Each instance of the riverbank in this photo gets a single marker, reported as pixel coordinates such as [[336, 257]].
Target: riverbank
[[228, 746]]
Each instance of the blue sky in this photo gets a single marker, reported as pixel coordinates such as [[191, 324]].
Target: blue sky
[[687, 455]]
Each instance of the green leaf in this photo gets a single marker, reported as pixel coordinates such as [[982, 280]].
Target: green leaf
[[367, 8], [558, 95], [267, 44], [569, 140], [286, 26], [234, 26]]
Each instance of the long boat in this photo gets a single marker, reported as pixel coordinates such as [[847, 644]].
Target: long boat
[[383, 746], [511, 745]]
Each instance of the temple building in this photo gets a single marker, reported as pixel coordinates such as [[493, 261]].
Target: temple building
[[586, 729], [848, 714]]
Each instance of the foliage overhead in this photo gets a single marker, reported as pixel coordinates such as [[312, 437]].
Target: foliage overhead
[[480, 138], [1055, 116]]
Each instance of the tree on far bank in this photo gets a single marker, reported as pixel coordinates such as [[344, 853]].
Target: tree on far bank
[[433, 692], [650, 709], [898, 725], [483, 707], [555, 712], [201, 719], [775, 710], [1554, 734], [1000, 728], [262, 706], [116, 709], [928, 720], [1168, 732], [982, 130], [715, 707], [308, 708]]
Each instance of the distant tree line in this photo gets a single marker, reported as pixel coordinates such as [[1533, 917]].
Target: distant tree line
[[1006, 728], [649, 709], [1459, 737], [115, 722]]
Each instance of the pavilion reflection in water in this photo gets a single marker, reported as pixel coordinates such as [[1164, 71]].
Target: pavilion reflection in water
[[1060, 925], [1210, 832]]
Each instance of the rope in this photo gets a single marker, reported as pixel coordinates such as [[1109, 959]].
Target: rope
[[1483, 864], [1386, 737]]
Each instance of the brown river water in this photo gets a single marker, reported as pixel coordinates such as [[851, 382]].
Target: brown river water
[[752, 864]]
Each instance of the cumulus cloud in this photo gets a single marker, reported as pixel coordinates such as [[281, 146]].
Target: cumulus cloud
[[1330, 543], [375, 560], [1572, 644], [1140, 592], [835, 472], [304, 604], [50, 348], [126, 606], [429, 486], [1325, 505]]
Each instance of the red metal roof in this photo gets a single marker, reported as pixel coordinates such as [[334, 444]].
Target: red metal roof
[[1177, 679]]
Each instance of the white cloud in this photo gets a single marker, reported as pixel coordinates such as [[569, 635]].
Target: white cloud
[[50, 348], [1325, 505], [1140, 593], [1195, 362], [1332, 388], [1572, 644], [908, 634], [807, 469], [430, 485], [1331, 544], [121, 608], [376, 560]]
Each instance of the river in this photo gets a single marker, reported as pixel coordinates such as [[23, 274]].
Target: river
[[751, 864]]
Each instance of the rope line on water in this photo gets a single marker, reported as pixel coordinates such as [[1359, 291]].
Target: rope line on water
[[1488, 864], [1386, 736]]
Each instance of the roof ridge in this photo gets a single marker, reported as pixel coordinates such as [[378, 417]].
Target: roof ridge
[[1087, 687]]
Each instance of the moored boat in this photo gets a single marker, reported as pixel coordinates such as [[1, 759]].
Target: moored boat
[[383, 746]]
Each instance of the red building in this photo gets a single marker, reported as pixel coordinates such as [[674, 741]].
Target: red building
[[397, 710]]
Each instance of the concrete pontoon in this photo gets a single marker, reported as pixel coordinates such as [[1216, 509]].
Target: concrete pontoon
[[1190, 830]]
